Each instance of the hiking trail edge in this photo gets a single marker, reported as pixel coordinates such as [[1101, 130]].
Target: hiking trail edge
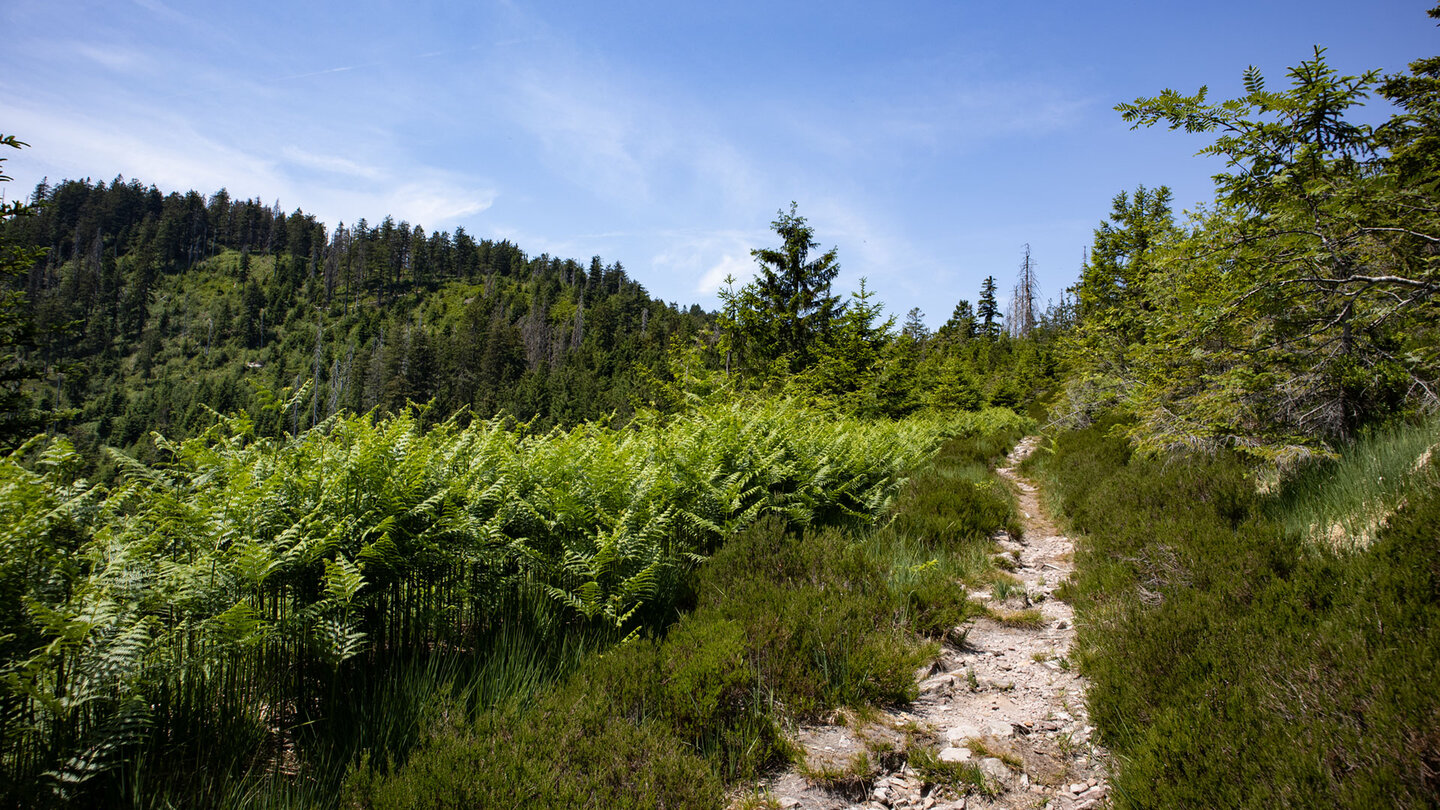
[[1005, 699]]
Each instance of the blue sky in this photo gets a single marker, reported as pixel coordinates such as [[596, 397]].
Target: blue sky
[[929, 141]]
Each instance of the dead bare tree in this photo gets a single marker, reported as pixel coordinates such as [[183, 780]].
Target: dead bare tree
[[1024, 299]]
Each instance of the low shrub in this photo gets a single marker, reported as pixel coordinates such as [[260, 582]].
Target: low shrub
[[1233, 663], [955, 500], [568, 750], [786, 626], [1344, 501]]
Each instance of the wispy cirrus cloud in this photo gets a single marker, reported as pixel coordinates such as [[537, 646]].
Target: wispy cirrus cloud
[[438, 202], [332, 164], [587, 129], [705, 259], [111, 56], [735, 266], [167, 150], [163, 149]]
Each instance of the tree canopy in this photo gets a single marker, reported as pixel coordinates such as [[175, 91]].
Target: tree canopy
[[1301, 306]]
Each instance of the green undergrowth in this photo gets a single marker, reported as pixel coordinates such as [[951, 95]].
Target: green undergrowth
[[247, 620], [381, 712], [956, 502], [1233, 661], [248, 617], [788, 624]]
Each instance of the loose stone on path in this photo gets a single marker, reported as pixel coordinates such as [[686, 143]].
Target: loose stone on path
[[1023, 722]]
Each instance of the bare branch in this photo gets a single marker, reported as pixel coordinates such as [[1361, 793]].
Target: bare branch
[[1417, 234]]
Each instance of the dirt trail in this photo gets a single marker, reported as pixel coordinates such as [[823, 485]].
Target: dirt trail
[[1005, 700]]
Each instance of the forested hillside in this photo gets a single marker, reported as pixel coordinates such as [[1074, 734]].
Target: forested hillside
[[151, 310]]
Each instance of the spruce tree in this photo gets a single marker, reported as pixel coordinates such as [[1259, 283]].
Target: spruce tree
[[988, 310], [794, 290]]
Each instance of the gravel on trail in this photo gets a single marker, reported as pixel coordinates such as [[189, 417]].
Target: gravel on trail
[[1001, 696]]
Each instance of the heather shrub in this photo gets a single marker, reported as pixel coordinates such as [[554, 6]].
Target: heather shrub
[[1233, 661]]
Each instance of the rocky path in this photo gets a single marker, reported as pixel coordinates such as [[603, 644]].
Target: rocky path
[[1005, 700]]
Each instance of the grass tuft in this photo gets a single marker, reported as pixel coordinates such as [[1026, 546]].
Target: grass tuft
[[1029, 618], [960, 777], [1343, 503]]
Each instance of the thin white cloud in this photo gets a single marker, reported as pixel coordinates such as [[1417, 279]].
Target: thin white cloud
[[739, 268], [111, 56], [326, 71], [629, 139], [873, 248], [166, 152], [158, 7], [329, 163], [1007, 108], [169, 153], [437, 203], [889, 123], [703, 258], [587, 130]]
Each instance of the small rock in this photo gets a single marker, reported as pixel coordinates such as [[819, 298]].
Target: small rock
[[1078, 788], [992, 766], [789, 802], [953, 754], [937, 683], [962, 732], [1092, 782], [882, 795], [1001, 729]]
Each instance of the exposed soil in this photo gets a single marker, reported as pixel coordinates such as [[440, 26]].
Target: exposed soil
[[1004, 698]]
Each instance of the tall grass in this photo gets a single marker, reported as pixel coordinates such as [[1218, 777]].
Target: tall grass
[[1343, 502], [220, 610]]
